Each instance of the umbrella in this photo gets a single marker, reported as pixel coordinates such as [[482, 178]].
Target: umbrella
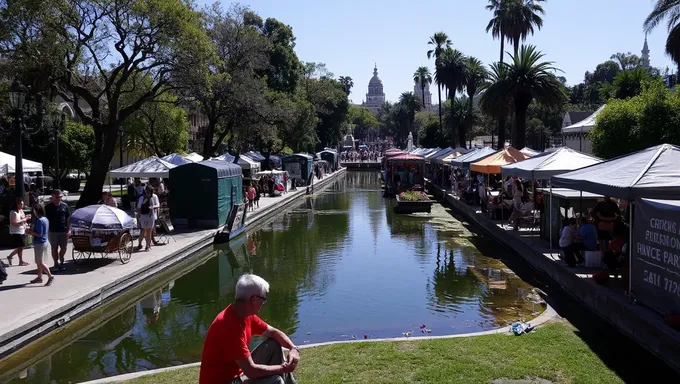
[[101, 217]]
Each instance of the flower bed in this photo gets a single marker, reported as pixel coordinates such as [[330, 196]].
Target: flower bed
[[413, 196], [412, 202]]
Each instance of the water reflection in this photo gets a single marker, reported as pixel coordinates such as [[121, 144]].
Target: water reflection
[[340, 264]]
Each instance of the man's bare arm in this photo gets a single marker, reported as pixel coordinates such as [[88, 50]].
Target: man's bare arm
[[255, 371], [279, 336]]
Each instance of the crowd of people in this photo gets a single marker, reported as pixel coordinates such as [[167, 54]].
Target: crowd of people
[[49, 227], [360, 155]]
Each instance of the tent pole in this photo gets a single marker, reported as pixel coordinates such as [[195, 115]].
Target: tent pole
[[630, 252]]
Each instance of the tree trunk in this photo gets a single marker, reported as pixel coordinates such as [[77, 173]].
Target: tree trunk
[[502, 47], [422, 91], [105, 145], [501, 132], [518, 139], [209, 132], [439, 96], [455, 130]]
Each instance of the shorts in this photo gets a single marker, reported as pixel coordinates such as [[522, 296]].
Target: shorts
[[58, 239], [40, 251], [146, 221], [18, 241]]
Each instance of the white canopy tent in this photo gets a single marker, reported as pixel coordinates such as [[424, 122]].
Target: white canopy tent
[[548, 164], [151, 167], [177, 159], [584, 125], [7, 163], [529, 152], [195, 157]]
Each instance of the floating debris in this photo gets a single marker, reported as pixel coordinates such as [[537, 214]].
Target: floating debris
[[309, 333], [407, 334], [354, 337]]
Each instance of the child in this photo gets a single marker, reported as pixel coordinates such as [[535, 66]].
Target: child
[[41, 246]]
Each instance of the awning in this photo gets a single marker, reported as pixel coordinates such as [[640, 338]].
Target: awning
[[548, 164], [151, 167], [247, 163], [195, 157], [472, 157], [176, 159], [7, 163], [651, 173], [492, 164], [529, 152]]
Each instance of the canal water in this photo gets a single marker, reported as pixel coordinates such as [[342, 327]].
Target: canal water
[[341, 266]]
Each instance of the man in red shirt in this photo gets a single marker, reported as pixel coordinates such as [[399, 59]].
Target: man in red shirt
[[226, 358]]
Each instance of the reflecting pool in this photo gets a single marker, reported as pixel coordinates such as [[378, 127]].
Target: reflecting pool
[[341, 265]]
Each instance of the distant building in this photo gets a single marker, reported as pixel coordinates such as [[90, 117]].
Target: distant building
[[573, 117], [375, 97], [645, 54], [418, 91], [575, 135]]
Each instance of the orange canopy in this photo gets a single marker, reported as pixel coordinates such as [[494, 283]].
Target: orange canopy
[[493, 164]]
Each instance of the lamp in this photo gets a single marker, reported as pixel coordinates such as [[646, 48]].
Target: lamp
[[17, 95]]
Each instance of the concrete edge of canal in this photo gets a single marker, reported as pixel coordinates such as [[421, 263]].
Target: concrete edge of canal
[[547, 315], [13, 340], [650, 332]]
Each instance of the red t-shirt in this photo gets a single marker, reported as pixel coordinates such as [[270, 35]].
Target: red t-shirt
[[227, 341]]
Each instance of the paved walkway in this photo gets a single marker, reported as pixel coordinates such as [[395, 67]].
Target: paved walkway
[[27, 307]]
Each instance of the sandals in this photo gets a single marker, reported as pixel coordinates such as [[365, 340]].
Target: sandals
[[37, 280], [9, 259], [49, 281], [147, 249], [23, 264]]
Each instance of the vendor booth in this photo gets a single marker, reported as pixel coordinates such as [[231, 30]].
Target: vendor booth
[[492, 164], [177, 159], [7, 163], [299, 168], [529, 152], [195, 157], [404, 172], [331, 157], [204, 193], [249, 166], [151, 167], [475, 155]]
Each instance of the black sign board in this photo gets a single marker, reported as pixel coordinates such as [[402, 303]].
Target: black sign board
[[655, 274]]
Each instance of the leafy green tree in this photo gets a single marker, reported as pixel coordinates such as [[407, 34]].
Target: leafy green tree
[[667, 10], [364, 121], [633, 124], [329, 102], [475, 77], [76, 144], [604, 73], [427, 124], [524, 16], [100, 49], [627, 61], [439, 43], [497, 102], [528, 78], [627, 84], [422, 77]]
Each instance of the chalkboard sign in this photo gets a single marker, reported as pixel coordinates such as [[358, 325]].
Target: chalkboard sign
[[655, 260]]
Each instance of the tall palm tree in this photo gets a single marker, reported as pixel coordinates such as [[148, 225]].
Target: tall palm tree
[[527, 79], [497, 103], [422, 76], [498, 25], [669, 10], [452, 75], [475, 76], [347, 84], [440, 42], [410, 105], [524, 16]]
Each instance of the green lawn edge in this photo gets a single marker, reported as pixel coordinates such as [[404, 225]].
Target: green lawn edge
[[552, 352]]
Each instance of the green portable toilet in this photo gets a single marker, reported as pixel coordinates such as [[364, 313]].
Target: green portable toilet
[[331, 157], [299, 167], [203, 193]]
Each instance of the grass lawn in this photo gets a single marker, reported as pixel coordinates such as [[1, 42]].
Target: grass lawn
[[553, 352]]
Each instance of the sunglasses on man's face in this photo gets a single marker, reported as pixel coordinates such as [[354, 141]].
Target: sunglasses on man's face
[[264, 299]]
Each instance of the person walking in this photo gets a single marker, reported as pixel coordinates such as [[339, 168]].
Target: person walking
[[17, 230], [41, 229], [226, 357], [59, 217], [258, 193], [251, 197], [147, 213]]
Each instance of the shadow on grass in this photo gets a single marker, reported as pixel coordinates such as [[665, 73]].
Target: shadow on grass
[[631, 362]]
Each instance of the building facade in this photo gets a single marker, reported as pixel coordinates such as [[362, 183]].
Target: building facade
[[418, 91], [375, 97]]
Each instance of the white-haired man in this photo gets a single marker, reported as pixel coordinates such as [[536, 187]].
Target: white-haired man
[[226, 358]]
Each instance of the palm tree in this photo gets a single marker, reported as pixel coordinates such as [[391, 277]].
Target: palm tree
[[498, 24], [527, 78], [440, 42], [410, 105], [347, 84], [669, 10], [494, 102], [422, 76], [452, 75], [524, 15], [475, 76], [460, 116]]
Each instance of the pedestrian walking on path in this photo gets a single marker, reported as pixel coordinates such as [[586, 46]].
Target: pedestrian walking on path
[[147, 208], [17, 230], [41, 244], [59, 217], [226, 357]]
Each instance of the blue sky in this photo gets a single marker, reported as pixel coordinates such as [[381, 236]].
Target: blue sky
[[351, 35]]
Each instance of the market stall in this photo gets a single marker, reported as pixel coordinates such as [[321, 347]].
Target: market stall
[[475, 155], [249, 166], [403, 172], [150, 167], [176, 159], [299, 167], [492, 164], [7, 163], [331, 157]]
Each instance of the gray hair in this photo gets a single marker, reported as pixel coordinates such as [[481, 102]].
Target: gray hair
[[249, 285]]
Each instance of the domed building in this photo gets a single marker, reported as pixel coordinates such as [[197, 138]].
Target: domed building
[[375, 97]]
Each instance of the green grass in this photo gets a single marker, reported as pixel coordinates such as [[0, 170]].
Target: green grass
[[553, 352]]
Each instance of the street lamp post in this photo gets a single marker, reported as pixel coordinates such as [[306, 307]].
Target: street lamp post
[[58, 129], [17, 99]]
